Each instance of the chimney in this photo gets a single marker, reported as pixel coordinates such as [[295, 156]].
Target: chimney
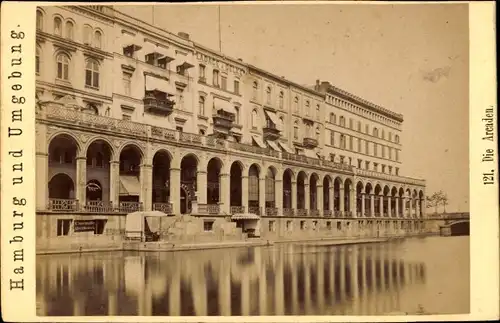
[[317, 85], [183, 35]]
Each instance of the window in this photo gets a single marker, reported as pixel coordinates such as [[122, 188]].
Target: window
[[375, 150], [69, 30], [237, 116], [87, 34], [390, 170], [296, 104], [359, 163], [339, 225], [314, 225], [367, 129], [351, 124], [179, 128], [397, 171], [98, 39], [127, 83], [333, 118], [39, 20], [236, 87], [350, 143], [397, 155], [317, 111], [57, 26], [282, 123], [126, 117], [289, 225], [342, 141], [383, 151], [329, 225], [317, 133], [99, 226], [359, 126], [63, 227], [202, 132], [37, 60], [272, 226], [224, 82], [383, 168], [375, 132], [63, 67], [268, 95], [332, 138], [359, 145], [201, 107], [255, 89], [92, 74], [302, 225], [208, 225], [367, 165], [367, 147], [254, 119], [396, 139], [296, 131], [280, 102], [202, 73], [342, 121], [215, 80], [375, 167], [307, 108]]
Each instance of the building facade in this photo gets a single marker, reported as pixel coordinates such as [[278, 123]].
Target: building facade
[[131, 117]]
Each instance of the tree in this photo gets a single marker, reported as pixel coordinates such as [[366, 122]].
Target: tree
[[444, 201], [437, 199]]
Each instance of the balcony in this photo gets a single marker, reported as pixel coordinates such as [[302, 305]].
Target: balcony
[[271, 132], [310, 143], [158, 106], [223, 121]]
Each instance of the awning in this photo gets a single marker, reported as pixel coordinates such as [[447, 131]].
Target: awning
[[286, 148], [155, 83], [258, 141], [129, 185], [274, 118], [129, 40], [186, 65], [245, 216], [273, 145], [225, 106]]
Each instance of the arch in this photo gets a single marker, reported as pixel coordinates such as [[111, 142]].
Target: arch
[[38, 54], [368, 188], [214, 169], [235, 183], [270, 188], [58, 25], [69, 29], [98, 38], [189, 174], [327, 183], [187, 154], [254, 172], [99, 153], [104, 140], [94, 190], [87, 34], [347, 194], [313, 191], [255, 169], [290, 172], [92, 72], [61, 186], [161, 165], [288, 178], [63, 61], [39, 19], [64, 139]]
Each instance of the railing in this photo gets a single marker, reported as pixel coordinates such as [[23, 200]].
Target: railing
[[129, 207], [254, 210], [314, 213], [302, 212], [327, 212], [98, 206], [288, 212], [338, 214], [271, 211], [73, 116], [237, 209], [63, 205], [212, 209], [348, 214], [163, 207]]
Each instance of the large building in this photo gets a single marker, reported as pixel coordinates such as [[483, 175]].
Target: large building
[[131, 117]]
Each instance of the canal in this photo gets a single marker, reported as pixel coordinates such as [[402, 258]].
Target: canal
[[418, 276]]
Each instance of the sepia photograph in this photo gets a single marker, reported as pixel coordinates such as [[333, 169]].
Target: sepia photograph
[[253, 159]]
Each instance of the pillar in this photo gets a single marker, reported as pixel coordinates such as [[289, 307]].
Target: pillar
[[353, 205], [397, 206], [42, 180], [410, 209], [224, 194], [146, 177], [307, 195], [114, 182], [175, 190], [341, 199], [363, 205], [262, 195], [403, 204], [372, 205], [319, 198], [389, 208], [244, 192], [381, 205], [278, 195], [423, 209], [201, 186], [81, 180], [331, 194]]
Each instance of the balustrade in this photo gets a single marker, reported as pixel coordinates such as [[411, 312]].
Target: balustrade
[[314, 213], [302, 212], [129, 207], [237, 209], [98, 206], [271, 211], [288, 212], [254, 210], [163, 207], [327, 212], [63, 205], [338, 214]]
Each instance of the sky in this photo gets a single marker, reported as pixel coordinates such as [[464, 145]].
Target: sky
[[409, 58]]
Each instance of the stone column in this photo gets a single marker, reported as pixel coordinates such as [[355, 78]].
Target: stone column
[[424, 208], [319, 198], [353, 205], [389, 207], [224, 194], [331, 195], [262, 195], [175, 190], [201, 186], [146, 178], [114, 182], [81, 180], [363, 206], [381, 205], [403, 203], [372, 205], [278, 195], [244, 192], [410, 210], [341, 199], [294, 195], [417, 208], [307, 194], [42, 180], [397, 206]]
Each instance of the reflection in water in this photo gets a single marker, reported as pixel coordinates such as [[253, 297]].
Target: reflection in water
[[278, 280]]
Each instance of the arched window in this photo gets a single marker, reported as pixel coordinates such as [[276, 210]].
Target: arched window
[[282, 123], [87, 35], [254, 119], [342, 141], [237, 116], [268, 95], [342, 121], [296, 130], [57, 26], [255, 88], [92, 109], [92, 73], [359, 126], [333, 118], [307, 108], [280, 103], [308, 131], [296, 104], [375, 132], [37, 60], [69, 30], [62, 67], [317, 133], [39, 20], [98, 39], [201, 103], [396, 139], [317, 111]]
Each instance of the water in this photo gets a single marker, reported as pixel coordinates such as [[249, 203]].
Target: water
[[417, 276]]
